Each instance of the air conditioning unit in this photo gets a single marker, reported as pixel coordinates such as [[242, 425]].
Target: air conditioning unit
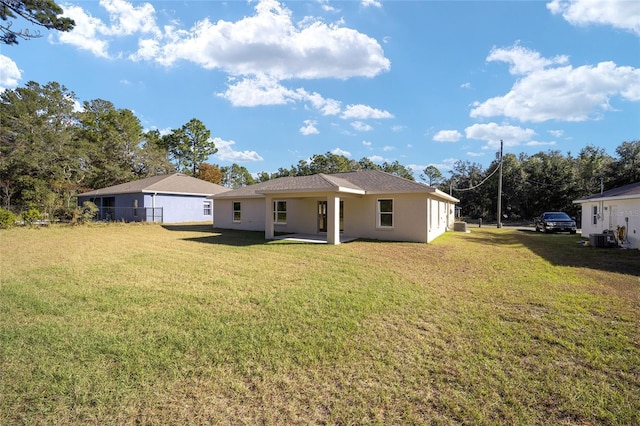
[[601, 240]]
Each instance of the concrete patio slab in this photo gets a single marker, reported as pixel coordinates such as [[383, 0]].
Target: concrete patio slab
[[311, 238]]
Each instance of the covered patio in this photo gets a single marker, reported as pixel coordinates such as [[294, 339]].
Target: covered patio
[[311, 238]]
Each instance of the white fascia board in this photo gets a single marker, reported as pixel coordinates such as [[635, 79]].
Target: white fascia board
[[144, 191], [595, 200], [351, 190], [446, 196]]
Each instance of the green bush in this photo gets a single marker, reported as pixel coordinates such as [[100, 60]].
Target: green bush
[[7, 219], [31, 215], [86, 213]]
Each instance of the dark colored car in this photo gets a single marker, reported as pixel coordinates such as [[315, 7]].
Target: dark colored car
[[555, 222]]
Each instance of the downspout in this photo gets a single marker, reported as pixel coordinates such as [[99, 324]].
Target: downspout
[[153, 207], [428, 218]]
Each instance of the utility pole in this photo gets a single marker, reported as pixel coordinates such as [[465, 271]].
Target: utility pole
[[500, 189]]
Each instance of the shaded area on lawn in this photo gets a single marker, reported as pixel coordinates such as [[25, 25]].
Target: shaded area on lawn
[[212, 235], [565, 250]]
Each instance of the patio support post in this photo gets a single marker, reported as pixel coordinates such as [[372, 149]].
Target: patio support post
[[268, 218], [333, 219]]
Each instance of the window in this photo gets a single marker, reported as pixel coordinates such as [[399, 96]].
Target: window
[[385, 213], [135, 208], [237, 211], [595, 215], [207, 208], [280, 212]]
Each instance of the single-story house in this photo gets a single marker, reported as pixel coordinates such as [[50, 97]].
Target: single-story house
[[610, 210], [361, 204], [165, 198]]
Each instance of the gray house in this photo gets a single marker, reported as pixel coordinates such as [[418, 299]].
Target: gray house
[[165, 198], [361, 204]]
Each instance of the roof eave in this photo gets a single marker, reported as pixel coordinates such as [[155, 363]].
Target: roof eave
[[195, 194], [312, 191], [612, 198]]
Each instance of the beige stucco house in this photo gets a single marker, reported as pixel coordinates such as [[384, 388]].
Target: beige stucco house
[[362, 204], [611, 210]]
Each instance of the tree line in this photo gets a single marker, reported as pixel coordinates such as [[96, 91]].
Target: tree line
[[51, 150], [545, 181]]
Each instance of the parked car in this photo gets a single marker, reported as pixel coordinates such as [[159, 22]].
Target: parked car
[[555, 222]]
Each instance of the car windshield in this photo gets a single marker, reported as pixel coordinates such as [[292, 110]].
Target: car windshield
[[557, 216]]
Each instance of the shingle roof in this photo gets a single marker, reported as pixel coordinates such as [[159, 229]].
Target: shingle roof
[[626, 191], [361, 181], [312, 183], [176, 183]]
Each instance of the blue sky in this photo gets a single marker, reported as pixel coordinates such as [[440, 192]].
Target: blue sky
[[420, 82]]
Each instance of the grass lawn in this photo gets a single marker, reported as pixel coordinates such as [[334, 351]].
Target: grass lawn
[[150, 324]]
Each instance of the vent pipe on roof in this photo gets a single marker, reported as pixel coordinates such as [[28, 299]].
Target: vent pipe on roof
[[601, 185]]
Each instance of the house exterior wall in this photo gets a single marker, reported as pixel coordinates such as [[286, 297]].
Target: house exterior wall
[[122, 208], [411, 219], [611, 214], [441, 217], [251, 219], [180, 208], [175, 208]]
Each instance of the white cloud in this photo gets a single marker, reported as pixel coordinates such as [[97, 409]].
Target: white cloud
[[226, 152], [259, 90], [364, 112], [538, 143], [561, 93], [492, 133], [127, 19], [475, 154], [388, 148], [398, 128], [326, 6], [309, 128], [326, 106], [86, 33], [465, 86], [263, 90], [619, 14], [269, 42], [342, 152], [372, 3], [524, 61], [556, 133], [10, 74], [93, 34], [447, 136], [361, 127], [377, 159], [366, 143]]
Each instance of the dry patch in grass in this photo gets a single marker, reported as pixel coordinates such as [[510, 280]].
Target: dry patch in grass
[[176, 325]]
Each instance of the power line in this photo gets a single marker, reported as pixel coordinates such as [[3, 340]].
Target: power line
[[478, 185]]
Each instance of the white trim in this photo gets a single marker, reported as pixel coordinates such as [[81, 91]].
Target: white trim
[[233, 212], [612, 198], [206, 204], [379, 213], [276, 211]]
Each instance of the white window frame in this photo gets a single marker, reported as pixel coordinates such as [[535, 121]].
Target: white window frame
[[594, 211], [234, 211], [207, 209], [379, 214], [277, 212]]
